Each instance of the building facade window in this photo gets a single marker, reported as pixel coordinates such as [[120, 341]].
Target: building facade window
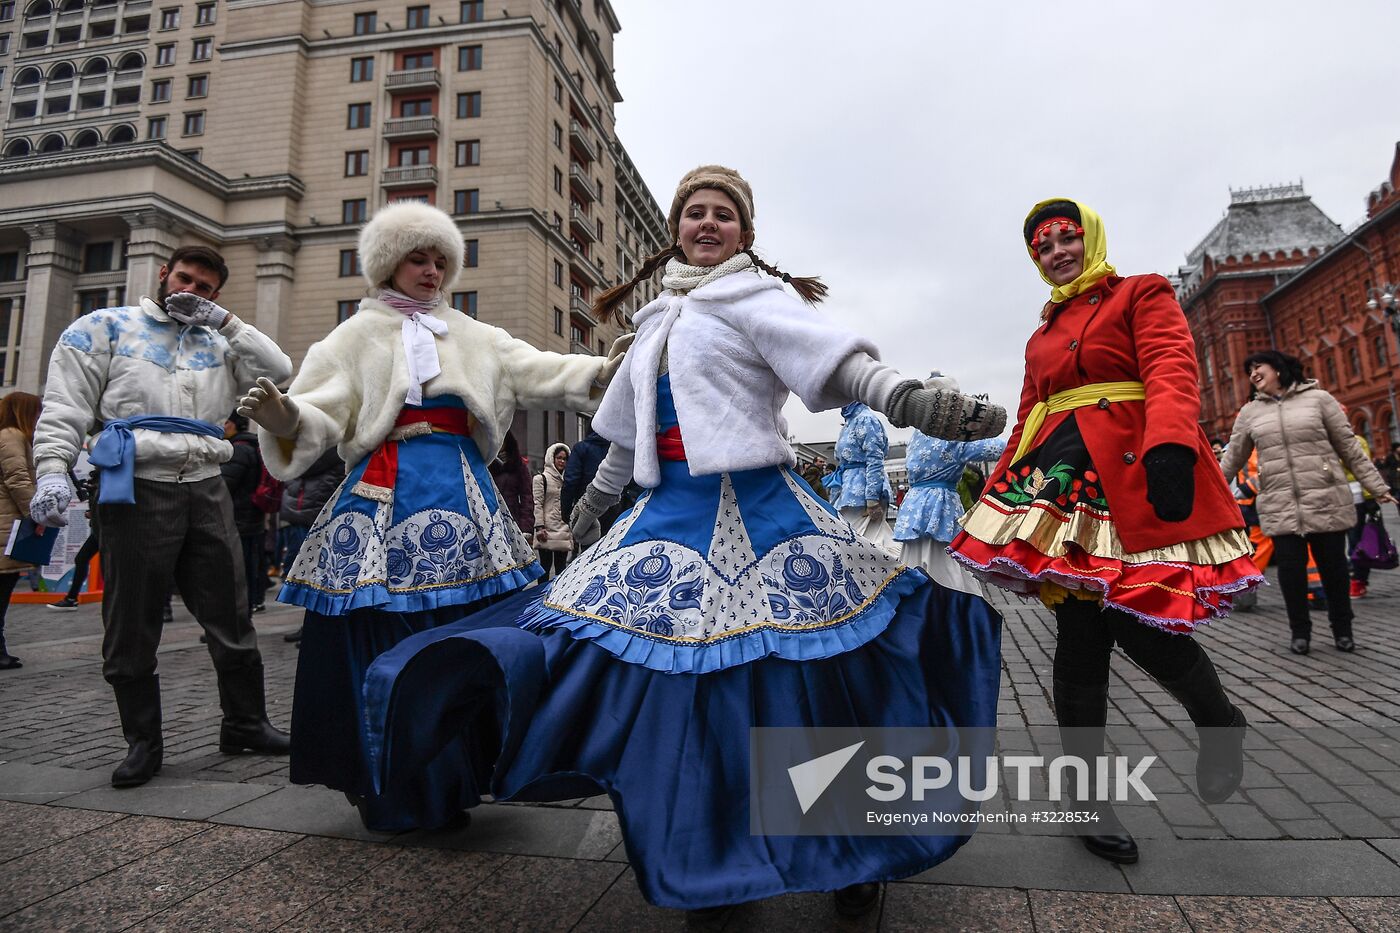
[[9, 266], [97, 257], [466, 201], [361, 69], [416, 107], [416, 61], [418, 17], [465, 302], [357, 163], [194, 123], [199, 86], [1378, 344], [472, 256], [170, 18], [90, 301], [201, 50], [165, 54], [558, 92], [365, 24], [160, 91], [349, 263], [559, 322], [469, 58], [343, 310], [155, 128], [468, 152], [11, 315], [1354, 362], [558, 136], [558, 180], [353, 211], [204, 14], [558, 274], [469, 105], [473, 11], [7, 11], [414, 155], [1330, 365], [357, 116]]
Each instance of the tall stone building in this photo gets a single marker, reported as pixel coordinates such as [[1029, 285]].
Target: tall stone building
[[271, 129], [1266, 235]]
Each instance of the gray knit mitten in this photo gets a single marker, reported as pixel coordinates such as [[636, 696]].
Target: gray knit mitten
[[941, 413], [583, 521]]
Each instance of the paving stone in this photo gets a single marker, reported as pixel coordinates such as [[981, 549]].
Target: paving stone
[[41, 783], [169, 796], [1249, 867], [30, 827], [1051, 862], [915, 908], [532, 895], [1080, 912], [622, 907], [313, 811], [1370, 914], [1252, 914], [520, 830]]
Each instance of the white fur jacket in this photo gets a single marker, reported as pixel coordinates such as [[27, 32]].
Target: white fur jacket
[[735, 348], [352, 385]]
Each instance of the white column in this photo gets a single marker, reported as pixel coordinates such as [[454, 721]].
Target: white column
[[48, 298], [276, 270], [153, 236]]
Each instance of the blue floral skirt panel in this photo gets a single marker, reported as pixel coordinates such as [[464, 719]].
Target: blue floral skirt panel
[[709, 572], [446, 539]]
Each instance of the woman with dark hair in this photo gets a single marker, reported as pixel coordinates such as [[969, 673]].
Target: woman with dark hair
[[1304, 499], [512, 477], [1109, 506], [18, 413]]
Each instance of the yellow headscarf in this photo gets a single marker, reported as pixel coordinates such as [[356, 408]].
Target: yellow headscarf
[[1095, 253]]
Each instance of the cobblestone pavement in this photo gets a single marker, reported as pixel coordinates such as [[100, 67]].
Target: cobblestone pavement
[[1312, 842]]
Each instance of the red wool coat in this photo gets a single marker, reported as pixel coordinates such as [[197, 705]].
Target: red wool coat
[[1129, 329]]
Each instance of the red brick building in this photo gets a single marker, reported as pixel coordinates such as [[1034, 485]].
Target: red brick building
[[1266, 236], [1323, 316]]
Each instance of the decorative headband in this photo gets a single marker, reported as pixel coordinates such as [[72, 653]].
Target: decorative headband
[[1049, 227]]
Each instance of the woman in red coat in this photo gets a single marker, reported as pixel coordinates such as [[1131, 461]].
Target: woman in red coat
[[1109, 505]]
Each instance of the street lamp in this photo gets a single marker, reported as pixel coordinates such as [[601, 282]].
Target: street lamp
[[1387, 297]]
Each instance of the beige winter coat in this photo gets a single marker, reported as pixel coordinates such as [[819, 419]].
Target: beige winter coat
[[549, 517], [17, 478], [1303, 440]]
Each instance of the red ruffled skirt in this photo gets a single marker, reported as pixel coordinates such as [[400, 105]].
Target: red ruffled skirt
[[1044, 528]]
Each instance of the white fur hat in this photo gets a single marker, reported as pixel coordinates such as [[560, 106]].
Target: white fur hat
[[397, 230]]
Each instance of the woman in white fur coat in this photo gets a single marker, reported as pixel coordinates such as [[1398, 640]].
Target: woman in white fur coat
[[729, 597], [416, 396]]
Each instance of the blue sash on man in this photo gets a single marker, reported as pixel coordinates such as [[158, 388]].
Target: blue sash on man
[[114, 451]]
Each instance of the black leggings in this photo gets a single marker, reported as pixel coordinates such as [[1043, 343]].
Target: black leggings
[[1329, 549], [1086, 636], [553, 562], [81, 563], [8, 582]]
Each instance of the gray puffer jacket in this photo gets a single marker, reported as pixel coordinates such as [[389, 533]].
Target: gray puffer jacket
[[1303, 439]]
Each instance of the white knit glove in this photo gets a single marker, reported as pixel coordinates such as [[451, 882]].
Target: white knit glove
[[943, 413], [189, 308], [266, 405], [583, 522], [616, 352], [52, 493]]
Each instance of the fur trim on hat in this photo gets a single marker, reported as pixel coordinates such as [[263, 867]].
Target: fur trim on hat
[[721, 179], [397, 230]]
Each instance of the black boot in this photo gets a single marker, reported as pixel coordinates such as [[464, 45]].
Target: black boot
[[1220, 728], [138, 704], [1083, 710], [856, 900], [245, 727]]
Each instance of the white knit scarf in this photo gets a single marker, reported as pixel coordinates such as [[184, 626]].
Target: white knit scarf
[[420, 329], [681, 278]]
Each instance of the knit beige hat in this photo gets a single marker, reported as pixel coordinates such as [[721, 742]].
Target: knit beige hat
[[721, 179]]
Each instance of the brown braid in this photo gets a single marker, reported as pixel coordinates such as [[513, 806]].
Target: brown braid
[[606, 304], [810, 287]]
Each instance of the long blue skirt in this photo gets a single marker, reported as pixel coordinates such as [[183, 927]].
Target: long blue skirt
[[672, 749]]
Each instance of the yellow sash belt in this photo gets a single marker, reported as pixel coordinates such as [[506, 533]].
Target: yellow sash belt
[[1070, 399]]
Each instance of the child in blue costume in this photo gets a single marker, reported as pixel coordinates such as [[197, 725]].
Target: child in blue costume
[[864, 490], [417, 396], [730, 596], [928, 516]]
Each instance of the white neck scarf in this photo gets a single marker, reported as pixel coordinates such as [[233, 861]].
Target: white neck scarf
[[419, 331], [681, 278]]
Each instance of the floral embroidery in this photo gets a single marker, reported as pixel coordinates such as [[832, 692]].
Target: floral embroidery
[[77, 339], [204, 360], [1019, 486]]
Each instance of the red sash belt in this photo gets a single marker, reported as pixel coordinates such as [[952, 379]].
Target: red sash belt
[[669, 445], [382, 471]]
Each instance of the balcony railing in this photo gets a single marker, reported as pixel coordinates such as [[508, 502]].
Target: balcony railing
[[30, 90], [582, 224], [93, 80], [70, 18], [576, 346], [397, 127], [413, 80], [404, 175], [583, 140], [582, 310], [581, 264], [581, 183], [128, 78]]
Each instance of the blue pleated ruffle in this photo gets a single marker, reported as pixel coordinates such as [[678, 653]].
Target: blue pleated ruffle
[[378, 596]]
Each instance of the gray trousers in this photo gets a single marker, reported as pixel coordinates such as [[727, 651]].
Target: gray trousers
[[181, 534]]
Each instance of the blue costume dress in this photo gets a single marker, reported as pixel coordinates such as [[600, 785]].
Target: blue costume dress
[[860, 459], [373, 572], [716, 604]]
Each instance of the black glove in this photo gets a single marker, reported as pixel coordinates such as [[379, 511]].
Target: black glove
[[1171, 481]]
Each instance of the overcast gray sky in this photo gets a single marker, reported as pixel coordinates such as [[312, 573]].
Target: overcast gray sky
[[895, 148]]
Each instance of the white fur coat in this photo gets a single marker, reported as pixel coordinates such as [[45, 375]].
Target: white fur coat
[[352, 384], [736, 347]]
